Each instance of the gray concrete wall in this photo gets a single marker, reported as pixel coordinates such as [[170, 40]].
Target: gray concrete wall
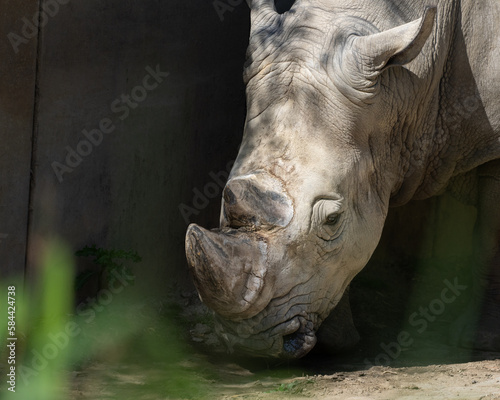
[[17, 103], [166, 132]]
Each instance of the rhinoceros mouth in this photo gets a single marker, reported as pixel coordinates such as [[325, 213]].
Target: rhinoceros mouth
[[291, 339]]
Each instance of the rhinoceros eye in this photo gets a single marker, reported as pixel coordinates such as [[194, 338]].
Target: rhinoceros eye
[[327, 218], [332, 219]]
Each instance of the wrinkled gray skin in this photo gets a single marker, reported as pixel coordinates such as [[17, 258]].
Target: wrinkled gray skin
[[353, 106]]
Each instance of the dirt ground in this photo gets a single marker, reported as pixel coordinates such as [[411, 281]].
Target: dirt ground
[[477, 380], [473, 380]]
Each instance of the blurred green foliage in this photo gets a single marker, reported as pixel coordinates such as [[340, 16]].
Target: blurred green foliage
[[119, 345]]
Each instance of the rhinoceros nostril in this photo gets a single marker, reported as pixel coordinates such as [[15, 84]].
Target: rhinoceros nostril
[[300, 342], [293, 342]]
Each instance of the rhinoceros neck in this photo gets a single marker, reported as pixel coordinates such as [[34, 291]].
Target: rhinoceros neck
[[452, 130]]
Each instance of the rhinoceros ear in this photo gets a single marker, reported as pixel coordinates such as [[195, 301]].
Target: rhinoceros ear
[[396, 46], [367, 56]]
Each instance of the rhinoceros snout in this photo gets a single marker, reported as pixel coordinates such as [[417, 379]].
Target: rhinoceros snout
[[229, 270], [234, 267]]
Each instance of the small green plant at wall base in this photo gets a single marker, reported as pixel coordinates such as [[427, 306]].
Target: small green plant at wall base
[[295, 387], [108, 260]]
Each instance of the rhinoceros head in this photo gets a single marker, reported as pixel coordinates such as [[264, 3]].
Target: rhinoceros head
[[305, 203]]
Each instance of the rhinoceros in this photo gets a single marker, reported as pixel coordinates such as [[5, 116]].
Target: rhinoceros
[[353, 106]]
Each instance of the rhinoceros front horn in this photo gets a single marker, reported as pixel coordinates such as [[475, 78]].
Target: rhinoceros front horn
[[229, 269]]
